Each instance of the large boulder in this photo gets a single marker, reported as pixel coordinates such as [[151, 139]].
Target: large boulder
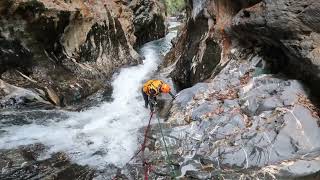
[[245, 123], [196, 53], [291, 42], [149, 20], [256, 116], [21, 163]]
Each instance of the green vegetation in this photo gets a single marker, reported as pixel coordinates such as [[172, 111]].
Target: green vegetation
[[174, 6]]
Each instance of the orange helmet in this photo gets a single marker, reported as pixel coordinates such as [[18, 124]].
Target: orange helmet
[[165, 88]]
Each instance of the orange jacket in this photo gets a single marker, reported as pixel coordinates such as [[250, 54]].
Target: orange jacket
[[152, 84]]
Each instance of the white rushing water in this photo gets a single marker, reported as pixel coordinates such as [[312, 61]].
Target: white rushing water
[[197, 5], [104, 134]]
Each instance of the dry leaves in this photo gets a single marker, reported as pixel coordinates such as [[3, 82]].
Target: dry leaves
[[304, 101], [245, 78], [216, 111], [231, 94], [235, 111], [208, 167], [188, 119]]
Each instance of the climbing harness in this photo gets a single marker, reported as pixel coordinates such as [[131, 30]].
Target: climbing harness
[[156, 88]]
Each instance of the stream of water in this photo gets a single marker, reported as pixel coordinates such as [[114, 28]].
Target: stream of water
[[98, 136]]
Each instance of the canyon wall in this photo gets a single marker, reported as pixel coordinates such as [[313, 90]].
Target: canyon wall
[[64, 51]]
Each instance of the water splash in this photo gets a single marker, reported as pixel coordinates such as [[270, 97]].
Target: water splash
[[104, 134], [198, 6]]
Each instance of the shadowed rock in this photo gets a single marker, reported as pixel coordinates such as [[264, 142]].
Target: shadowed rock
[[67, 49]]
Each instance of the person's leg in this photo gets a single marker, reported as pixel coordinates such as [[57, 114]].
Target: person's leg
[[145, 97], [154, 100]]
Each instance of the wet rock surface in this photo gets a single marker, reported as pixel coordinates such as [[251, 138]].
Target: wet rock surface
[[242, 123], [290, 44], [293, 39], [149, 20], [252, 118], [196, 53], [15, 97], [23, 163]]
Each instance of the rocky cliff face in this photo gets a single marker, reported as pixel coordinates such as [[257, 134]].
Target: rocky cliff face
[[243, 124], [196, 52], [149, 20], [21, 164], [289, 43], [252, 68], [64, 50], [254, 116]]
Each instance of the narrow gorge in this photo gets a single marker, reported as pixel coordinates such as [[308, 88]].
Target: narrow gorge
[[245, 73]]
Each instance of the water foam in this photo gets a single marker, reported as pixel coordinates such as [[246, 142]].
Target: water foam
[[104, 134], [198, 6]]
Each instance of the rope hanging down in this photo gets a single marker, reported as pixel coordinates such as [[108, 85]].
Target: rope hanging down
[[144, 141], [146, 165], [169, 162]]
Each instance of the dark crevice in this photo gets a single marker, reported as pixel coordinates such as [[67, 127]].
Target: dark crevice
[[183, 75], [232, 7], [149, 32], [14, 56], [279, 58], [280, 61]]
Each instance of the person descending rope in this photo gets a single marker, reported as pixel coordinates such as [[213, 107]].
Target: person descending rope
[[151, 89]]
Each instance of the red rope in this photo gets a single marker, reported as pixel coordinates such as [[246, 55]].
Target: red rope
[[146, 133], [147, 171], [147, 167], [145, 164]]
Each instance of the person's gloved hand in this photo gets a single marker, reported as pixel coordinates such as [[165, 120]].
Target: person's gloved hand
[[173, 96]]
